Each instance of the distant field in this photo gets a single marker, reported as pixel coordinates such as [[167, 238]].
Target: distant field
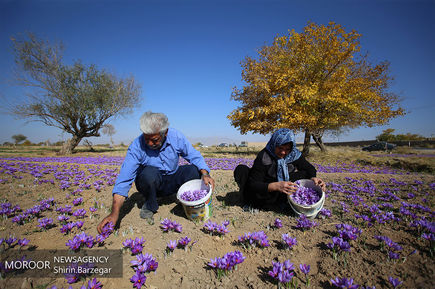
[[401, 158]]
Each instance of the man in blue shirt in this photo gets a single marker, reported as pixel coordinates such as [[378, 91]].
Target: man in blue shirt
[[152, 162]]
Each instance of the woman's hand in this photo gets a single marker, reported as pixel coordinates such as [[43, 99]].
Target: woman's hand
[[283, 187], [319, 182]]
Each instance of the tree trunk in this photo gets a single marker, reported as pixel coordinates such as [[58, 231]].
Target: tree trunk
[[317, 137], [306, 149], [69, 146]]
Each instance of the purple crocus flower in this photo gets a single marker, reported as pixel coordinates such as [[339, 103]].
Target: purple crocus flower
[[80, 213], [65, 229], [77, 201], [289, 240], [344, 283], [254, 239], [325, 213], [215, 229], [183, 242], [304, 268], [278, 223], [227, 262], [393, 256], [136, 248], [395, 282], [195, 195], [127, 243], [78, 224], [304, 223], [168, 225], [11, 240], [285, 276], [172, 245], [94, 284], [108, 229], [45, 223], [63, 218], [282, 272], [73, 244], [23, 242], [100, 239], [144, 263], [138, 279]]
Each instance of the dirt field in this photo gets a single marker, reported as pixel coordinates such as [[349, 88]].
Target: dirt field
[[409, 196]]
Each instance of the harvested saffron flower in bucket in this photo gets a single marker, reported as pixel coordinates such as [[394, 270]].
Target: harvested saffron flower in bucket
[[306, 196], [195, 195]]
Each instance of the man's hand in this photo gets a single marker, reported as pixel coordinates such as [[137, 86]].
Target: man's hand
[[208, 180], [117, 202], [110, 218]]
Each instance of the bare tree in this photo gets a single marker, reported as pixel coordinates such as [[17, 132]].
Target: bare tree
[[76, 98]]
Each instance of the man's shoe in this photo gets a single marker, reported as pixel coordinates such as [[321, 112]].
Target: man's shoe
[[146, 214]]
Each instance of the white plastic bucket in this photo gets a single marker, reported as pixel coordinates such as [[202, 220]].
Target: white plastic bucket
[[310, 211], [200, 210]]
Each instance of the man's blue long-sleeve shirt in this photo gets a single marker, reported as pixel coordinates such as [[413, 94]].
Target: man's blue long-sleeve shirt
[[165, 159]]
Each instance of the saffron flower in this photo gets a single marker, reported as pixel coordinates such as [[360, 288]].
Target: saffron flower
[[304, 223], [215, 229], [183, 242], [80, 240], [23, 242], [282, 272], [305, 269], [168, 225], [135, 246], [289, 240], [347, 232], [259, 239], [77, 201], [395, 282], [63, 218], [305, 196], [338, 245], [195, 195], [107, 229], [344, 283], [10, 241], [227, 263], [171, 246], [66, 210], [144, 263], [325, 213], [94, 284], [80, 213], [65, 229], [138, 279], [45, 223], [278, 223]]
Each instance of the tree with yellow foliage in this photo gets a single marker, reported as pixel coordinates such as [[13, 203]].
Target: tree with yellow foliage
[[314, 81]]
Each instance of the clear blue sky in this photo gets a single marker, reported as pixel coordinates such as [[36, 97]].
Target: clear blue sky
[[186, 54]]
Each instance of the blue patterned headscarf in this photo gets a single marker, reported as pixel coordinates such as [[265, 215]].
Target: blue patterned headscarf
[[280, 137]]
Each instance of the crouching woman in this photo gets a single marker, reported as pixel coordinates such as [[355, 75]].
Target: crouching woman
[[274, 172]]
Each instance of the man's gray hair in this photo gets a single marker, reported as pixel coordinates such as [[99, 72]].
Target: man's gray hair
[[154, 122]]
